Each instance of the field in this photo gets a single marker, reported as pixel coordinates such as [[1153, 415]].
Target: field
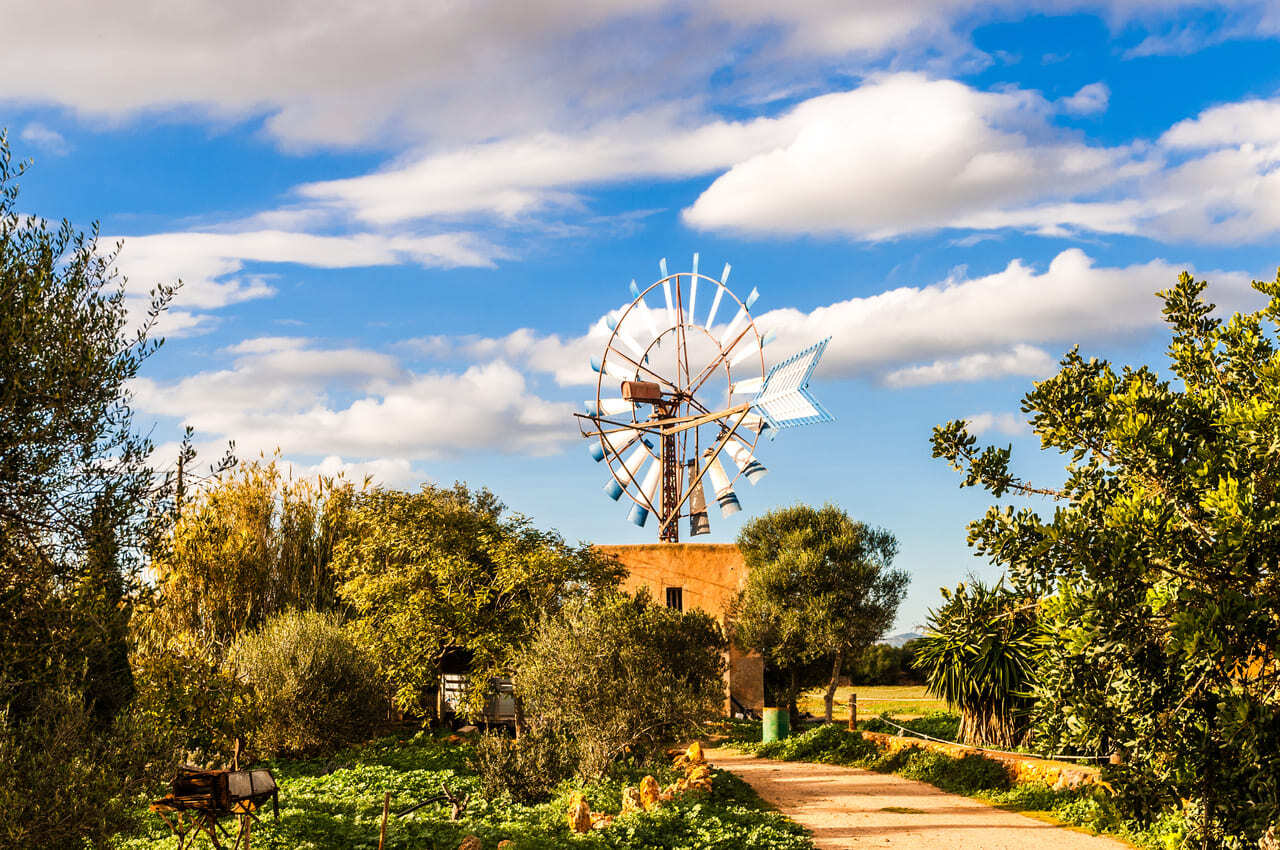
[[901, 701], [336, 804]]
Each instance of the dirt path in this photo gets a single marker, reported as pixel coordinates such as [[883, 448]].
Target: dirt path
[[846, 807]]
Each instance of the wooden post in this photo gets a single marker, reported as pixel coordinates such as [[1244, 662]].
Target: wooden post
[[853, 712], [386, 807]]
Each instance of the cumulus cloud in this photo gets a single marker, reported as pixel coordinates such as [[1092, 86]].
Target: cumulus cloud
[[905, 154], [959, 329], [1090, 100], [340, 73], [1009, 424], [45, 138], [984, 366], [361, 409]]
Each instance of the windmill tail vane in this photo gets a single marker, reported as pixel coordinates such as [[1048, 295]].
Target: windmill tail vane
[[653, 422]]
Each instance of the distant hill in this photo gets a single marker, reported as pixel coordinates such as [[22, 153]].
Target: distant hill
[[899, 640]]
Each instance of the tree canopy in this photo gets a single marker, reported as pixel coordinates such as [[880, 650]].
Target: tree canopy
[[1158, 567], [820, 588], [444, 569]]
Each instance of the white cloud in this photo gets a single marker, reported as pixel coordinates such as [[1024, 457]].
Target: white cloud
[[45, 138], [1090, 100], [1009, 424], [984, 366], [380, 72], [960, 329], [904, 154], [361, 409]]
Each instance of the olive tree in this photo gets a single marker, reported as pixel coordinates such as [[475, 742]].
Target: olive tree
[[820, 589]]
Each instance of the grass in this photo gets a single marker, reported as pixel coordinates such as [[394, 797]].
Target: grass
[[336, 804], [899, 701]]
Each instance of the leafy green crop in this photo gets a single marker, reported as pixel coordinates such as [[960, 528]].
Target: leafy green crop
[[336, 804]]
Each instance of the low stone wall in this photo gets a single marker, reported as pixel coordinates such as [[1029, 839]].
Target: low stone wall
[[1056, 774]]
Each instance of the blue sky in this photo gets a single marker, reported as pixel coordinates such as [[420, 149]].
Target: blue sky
[[400, 226]]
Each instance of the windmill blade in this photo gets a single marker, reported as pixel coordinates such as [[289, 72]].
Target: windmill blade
[[666, 293], [627, 339], [630, 469], [693, 291], [699, 522], [753, 469], [611, 369], [608, 407], [725, 497], [639, 514], [715, 302], [785, 400], [739, 316], [643, 309], [611, 443], [750, 350], [750, 385]]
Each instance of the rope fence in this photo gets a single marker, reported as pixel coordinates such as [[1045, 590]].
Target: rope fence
[[1056, 757]]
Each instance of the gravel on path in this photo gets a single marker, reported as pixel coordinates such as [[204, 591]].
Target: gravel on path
[[847, 807]]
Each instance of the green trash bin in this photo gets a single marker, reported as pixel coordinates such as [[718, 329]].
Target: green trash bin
[[776, 726]]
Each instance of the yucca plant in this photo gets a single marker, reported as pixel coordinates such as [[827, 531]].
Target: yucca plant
[[979, 655]]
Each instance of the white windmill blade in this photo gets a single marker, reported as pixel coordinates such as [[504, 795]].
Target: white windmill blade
[[626, 338], [750, 385], [613, 370], [630, 469], [693, 291], [739, 316], [715, 302], [643, 309], [785, 400], [615, 443], [699, 522], [725, 497], [608, 407], [750, 350], [639, 514], [751, 468], [666, 292]]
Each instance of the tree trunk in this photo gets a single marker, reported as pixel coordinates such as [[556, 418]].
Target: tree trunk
[[792, 692], [830, 698], [521, 726]]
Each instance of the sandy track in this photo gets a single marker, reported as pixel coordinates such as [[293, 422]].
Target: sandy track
[[846, 807]]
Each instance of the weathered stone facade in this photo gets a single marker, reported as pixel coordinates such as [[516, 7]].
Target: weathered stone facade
[[708, 576]]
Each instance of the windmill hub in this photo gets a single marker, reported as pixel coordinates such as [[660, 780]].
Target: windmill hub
[[691, 373]]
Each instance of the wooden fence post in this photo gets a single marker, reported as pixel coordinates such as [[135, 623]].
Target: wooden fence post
[[853, 712], [386, 807]]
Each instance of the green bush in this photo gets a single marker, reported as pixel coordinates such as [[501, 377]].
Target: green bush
[[619, 676], [525, 769], [968, 774], [67, 781], [829, 743], [313, 690], [939, 724]]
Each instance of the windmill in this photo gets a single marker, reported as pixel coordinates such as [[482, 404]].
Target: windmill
[[676, 392]]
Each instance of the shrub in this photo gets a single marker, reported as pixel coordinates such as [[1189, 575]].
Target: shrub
[[313, 689], [617, 675], [965, 775], [828, 743], [65, 781], [526, 769]]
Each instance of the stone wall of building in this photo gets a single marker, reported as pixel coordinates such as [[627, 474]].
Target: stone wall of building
[[708, 576]]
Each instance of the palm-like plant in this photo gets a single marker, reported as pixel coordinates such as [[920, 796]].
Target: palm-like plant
[[979, 655]]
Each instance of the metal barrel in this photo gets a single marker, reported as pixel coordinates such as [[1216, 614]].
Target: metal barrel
[[776, 725]]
